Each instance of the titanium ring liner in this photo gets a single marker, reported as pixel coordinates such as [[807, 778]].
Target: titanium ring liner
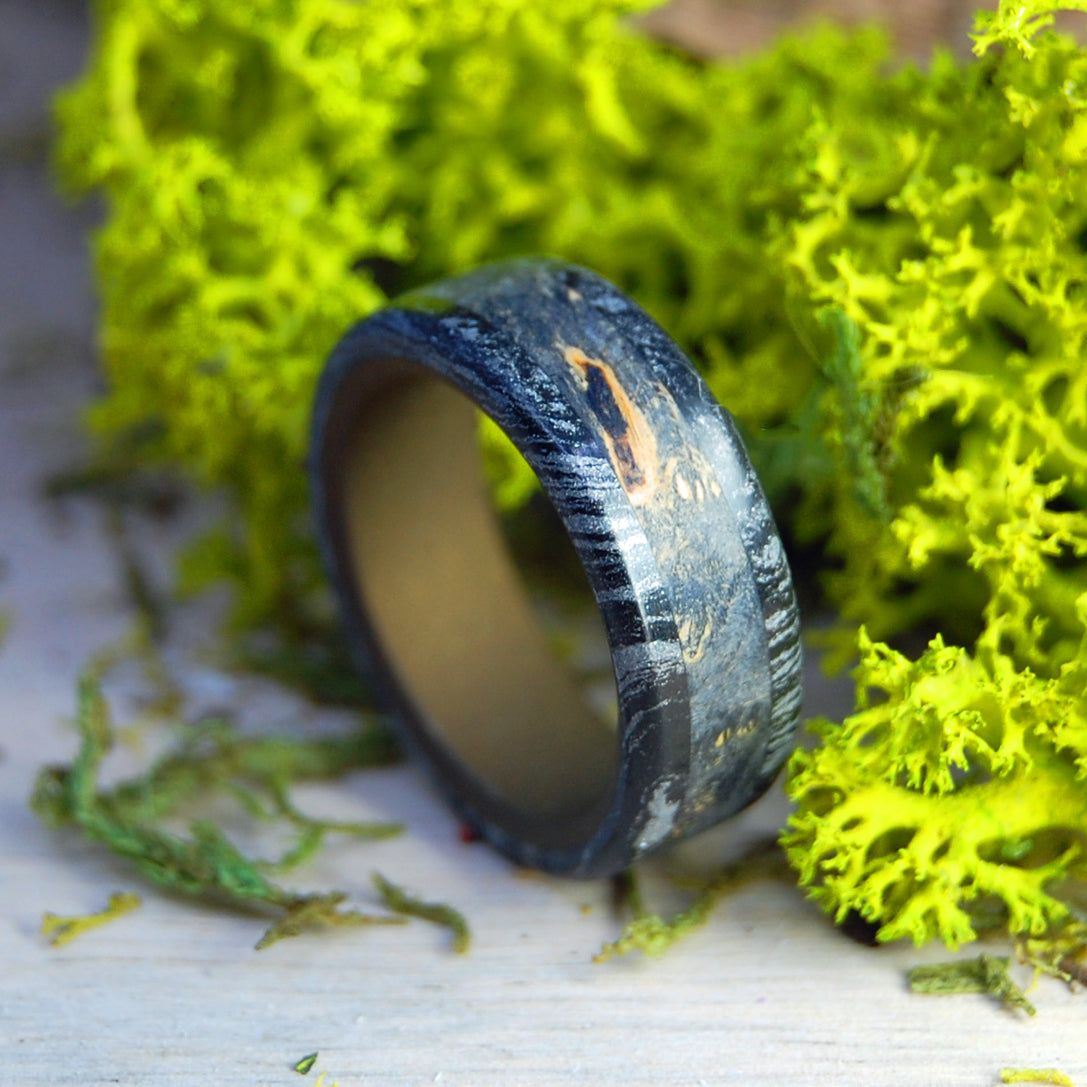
[[652, 483]]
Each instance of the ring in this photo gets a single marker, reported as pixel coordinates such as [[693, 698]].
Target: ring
[[653, 487]]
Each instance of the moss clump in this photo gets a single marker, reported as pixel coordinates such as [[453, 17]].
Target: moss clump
[[273, 170], [880, 272], [132, 819]]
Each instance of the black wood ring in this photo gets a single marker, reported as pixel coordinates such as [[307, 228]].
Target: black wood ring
[[656, 493]]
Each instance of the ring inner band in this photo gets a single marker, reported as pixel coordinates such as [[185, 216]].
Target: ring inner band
[[450, 613]]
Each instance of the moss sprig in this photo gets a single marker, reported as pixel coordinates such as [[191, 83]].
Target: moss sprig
[[985, 974], [653, 934], [59, 930], [1060, 953], [128, 819], [437, 913]]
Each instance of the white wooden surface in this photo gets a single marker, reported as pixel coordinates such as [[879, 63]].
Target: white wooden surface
[[767, 993]]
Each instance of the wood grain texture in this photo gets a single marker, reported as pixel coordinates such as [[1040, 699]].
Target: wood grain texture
[[172, 994], [651, 480]]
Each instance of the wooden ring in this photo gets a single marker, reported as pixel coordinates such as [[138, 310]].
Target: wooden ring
[[654, 488]]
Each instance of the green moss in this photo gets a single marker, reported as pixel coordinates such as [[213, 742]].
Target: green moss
[[879, 270], [985, 974], [961, 779], [131, 819], [274, 170], [652, 934], [953, 785], [59, 930], [437, 913]]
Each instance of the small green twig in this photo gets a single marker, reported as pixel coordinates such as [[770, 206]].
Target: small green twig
[[305, 912], [59, 930], [1034, 1075], [399, 901], [985, 974], [653, 935], [311, 832]]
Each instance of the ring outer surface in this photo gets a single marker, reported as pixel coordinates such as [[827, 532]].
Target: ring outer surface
[[654, 487]]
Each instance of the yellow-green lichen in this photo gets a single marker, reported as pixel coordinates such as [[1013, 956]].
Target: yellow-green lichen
[[1035, 1075], [879, 269]]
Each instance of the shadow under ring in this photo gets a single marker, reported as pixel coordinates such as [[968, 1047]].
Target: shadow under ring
[[655, 491]]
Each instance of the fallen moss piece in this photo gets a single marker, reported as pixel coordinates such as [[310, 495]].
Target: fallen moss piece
[[316, 911], [60, 930], [1059, 953], [653, 935], [303, 1065], [206, 864], [1034, 1075], [437, 913], [985, 974]]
